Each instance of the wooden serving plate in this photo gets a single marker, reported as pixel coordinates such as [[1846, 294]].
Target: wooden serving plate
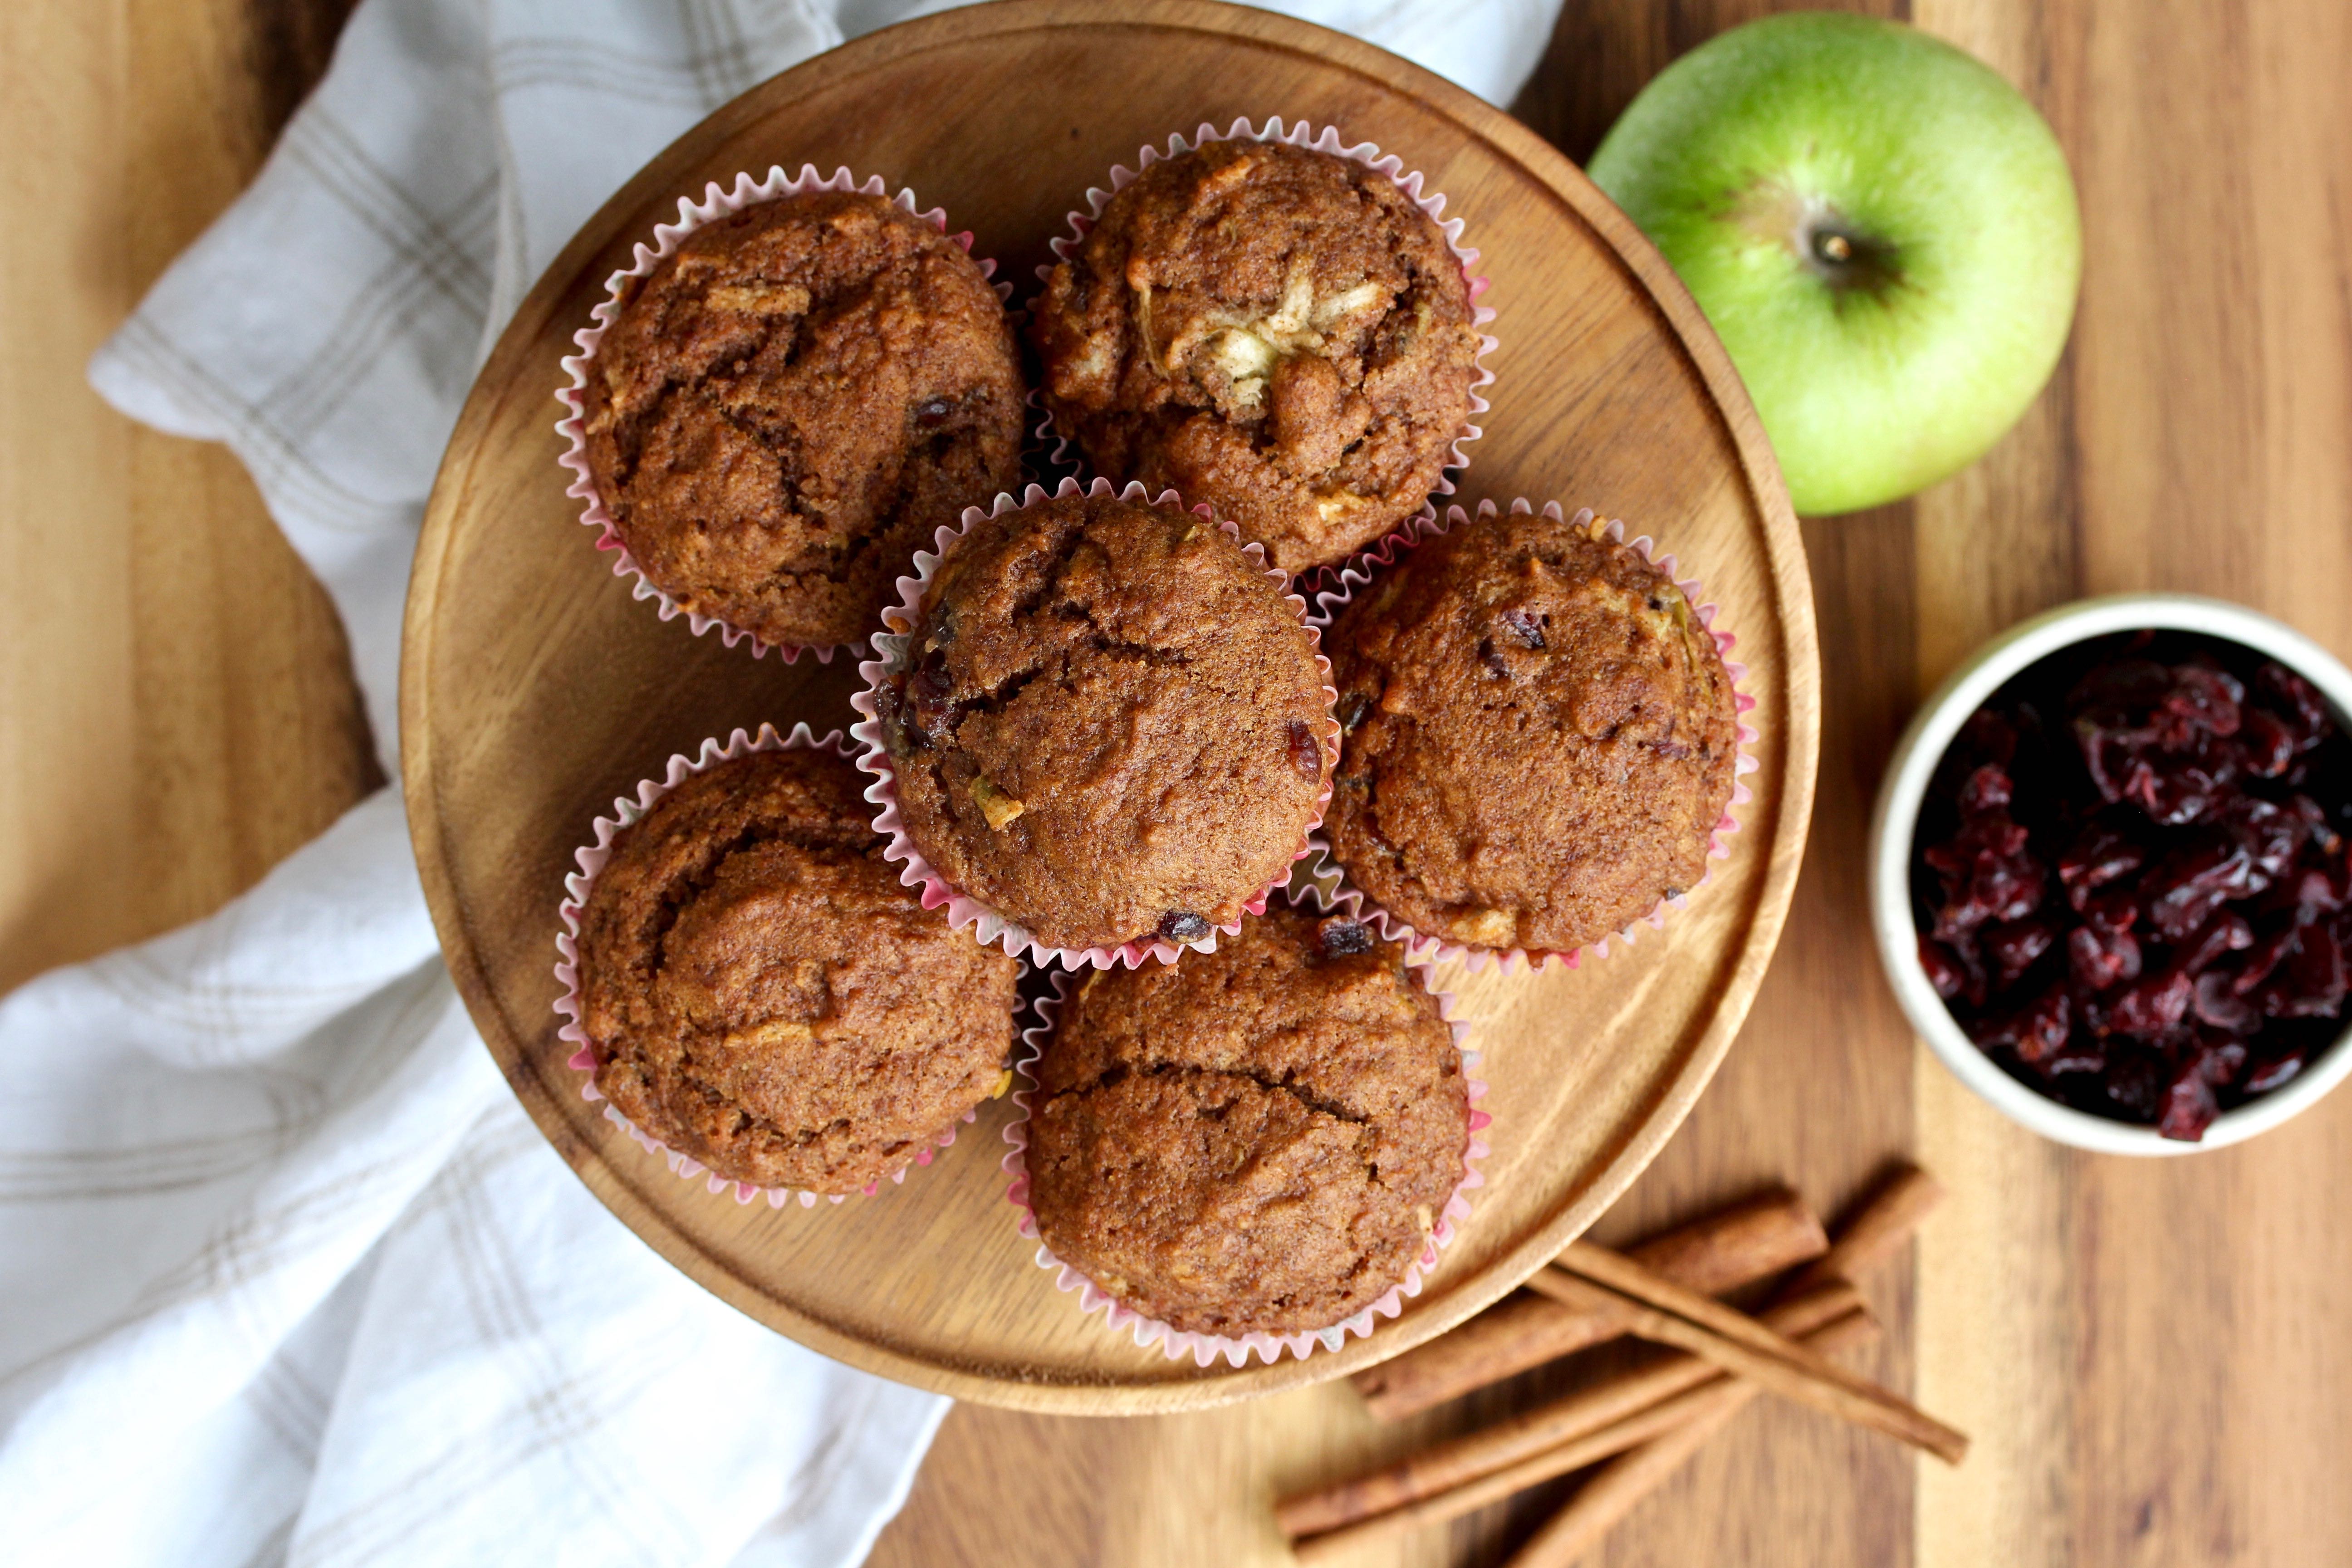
[[534, 690]]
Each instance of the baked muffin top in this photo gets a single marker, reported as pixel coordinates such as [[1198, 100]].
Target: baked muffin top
[[1275, 331], [791, 402], [1114, 727], [1257, 1138], [760, 994], [1541, 737]]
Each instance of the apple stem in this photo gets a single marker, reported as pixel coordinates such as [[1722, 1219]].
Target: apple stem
[[1848, 262]]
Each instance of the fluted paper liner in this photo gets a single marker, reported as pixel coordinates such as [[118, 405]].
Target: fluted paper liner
[[890, 647], [627, 811], [1322, 869], [1061, 449], [717, 202], [1205, 1349]]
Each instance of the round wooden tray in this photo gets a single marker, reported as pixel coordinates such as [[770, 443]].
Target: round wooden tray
[[534, 690]]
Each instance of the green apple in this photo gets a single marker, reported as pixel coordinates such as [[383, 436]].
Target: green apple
[[1881, 229]]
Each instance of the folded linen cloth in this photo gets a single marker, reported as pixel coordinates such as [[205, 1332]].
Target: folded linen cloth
[[285, 1274]]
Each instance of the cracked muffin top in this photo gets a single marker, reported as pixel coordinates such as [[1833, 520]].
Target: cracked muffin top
[[1257, 1138], [1278, 331], [1114, 728], [1540, 736], [760, 994], [791, 402]]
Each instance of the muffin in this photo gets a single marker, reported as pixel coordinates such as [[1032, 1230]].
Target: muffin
[[790, 404], [760, 994], [1115, 729], [1257, 1139], [1278, 331], [1540, 737]]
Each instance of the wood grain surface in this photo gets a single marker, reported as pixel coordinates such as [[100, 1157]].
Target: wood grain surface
[[535, 689], [176, 711], [2149, 1354]]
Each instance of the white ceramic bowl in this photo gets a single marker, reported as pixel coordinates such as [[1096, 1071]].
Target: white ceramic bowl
[[1897, 815]]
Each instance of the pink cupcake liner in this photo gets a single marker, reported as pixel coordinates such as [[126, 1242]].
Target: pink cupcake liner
[[626, 812], [1062, 449], [1323, 871], [890, 646], [1205, 1349], [717, 202]]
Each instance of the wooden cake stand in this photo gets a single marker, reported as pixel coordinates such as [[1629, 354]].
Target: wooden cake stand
[[534, 688]]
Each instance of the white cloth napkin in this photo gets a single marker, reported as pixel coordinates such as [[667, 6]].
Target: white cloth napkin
[[285, 1274]]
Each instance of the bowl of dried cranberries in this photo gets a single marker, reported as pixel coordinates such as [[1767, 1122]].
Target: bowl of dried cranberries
[[2110, 873]]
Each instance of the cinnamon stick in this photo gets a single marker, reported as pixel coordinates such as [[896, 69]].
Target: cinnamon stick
[[1882, 1226], [1739, 1343], [1655, 1423], [1719, 1252], [1647, 1406], [1565, 1420], [1884, 1223], [1612, 1491]]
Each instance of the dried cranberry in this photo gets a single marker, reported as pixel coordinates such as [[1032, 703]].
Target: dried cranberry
[[1989, 837], [2220, 1057], [2297, 702], [2176, 793], [2311, 983], [2266, 742], [2112, 760], [1988, 789], [2269, 1072], [2100, 960], [2113, 911], [1183, 925], [2323, 836], [1341, 936], [931, 413], [2016, 946], [2187, 886], [1943, 970], [2037, 1031], [2225, 932], [2134, 1084], [1306, 750], [929, 700], [2204, 697], [2152, 1008], [1963, 960], [2271, 836], [1523, 627], [2216, 1002], [1988, 875], [2315, 890], [2097, 856], [2189, 1105], [2266, 954]]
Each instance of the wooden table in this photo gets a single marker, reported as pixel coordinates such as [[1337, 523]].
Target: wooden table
[[2150, 1355]]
